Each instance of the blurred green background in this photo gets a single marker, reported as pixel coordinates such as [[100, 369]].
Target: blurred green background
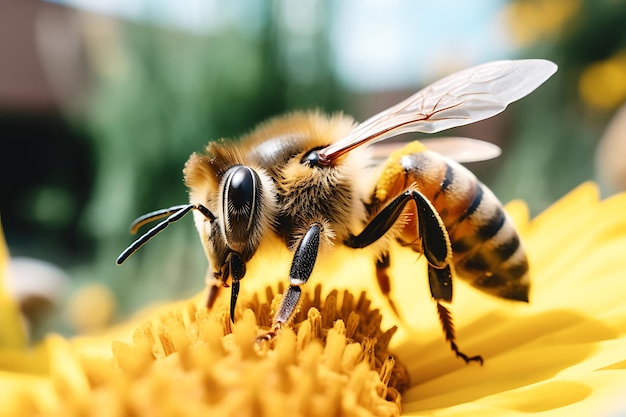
[[101, 104]]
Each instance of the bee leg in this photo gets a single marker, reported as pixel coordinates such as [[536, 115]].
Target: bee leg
[[234, 293], [384, 283], [213, 286], [436, 247], [440, 281], [301, 267], [445, 318], [237, 270], [432, 232]]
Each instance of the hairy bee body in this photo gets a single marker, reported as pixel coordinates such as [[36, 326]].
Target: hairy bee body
[[308, 182], [485, 246], [296, 194]]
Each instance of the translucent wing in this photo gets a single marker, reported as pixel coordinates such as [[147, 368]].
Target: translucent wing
[[462, 98], [460, 149]]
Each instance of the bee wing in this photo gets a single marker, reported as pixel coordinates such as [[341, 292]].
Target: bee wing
[[462, 98], [463, 150], [460, 149]]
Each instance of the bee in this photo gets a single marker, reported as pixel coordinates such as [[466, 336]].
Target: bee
[[310, 181]]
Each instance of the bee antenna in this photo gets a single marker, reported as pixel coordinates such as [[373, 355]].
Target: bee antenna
[[174, 213]]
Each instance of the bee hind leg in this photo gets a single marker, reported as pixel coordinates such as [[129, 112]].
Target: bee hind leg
[[435, 244], [445, 317]]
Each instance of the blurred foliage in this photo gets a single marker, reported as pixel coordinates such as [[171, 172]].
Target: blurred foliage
[[41, 197]]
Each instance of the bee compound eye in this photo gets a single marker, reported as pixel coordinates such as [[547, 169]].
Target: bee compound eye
[[241, 187], [242, 196]]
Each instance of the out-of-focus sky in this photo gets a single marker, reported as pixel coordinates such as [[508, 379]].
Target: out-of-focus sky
[[374, 45]]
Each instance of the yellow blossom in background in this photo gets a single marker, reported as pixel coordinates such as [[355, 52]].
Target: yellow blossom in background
[[533, 20], [603, 84], [91, 308], [563, 354]]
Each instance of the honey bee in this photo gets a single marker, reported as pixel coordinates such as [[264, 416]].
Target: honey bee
[[310, 181]]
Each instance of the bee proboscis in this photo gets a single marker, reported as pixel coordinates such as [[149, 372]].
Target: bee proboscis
[[307, 180]]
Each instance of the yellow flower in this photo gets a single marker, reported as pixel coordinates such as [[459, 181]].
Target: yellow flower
[[565, 352], [562, 354], [602, 84], [530, 21]]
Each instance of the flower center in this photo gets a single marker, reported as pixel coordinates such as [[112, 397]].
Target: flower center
[[332, 360]]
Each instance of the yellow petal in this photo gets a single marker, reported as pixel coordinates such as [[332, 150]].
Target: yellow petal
[[562, 353], [24, 394], [12, 334]]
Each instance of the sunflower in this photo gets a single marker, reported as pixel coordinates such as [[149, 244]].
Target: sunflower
[[349, 353]]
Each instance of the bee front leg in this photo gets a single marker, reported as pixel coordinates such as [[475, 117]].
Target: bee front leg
[[213, 285], [303, 262], [237, 270]]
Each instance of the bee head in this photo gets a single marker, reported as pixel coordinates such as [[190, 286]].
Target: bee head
[[242, 197]]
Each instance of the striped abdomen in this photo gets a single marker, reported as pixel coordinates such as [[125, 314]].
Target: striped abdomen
[[487, 251]]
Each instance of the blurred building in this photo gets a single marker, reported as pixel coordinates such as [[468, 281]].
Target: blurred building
[[43, 159]]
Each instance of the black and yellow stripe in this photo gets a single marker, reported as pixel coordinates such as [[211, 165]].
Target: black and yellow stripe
[[487, 250]]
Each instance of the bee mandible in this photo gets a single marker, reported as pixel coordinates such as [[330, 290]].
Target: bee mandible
[[303, 178]]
